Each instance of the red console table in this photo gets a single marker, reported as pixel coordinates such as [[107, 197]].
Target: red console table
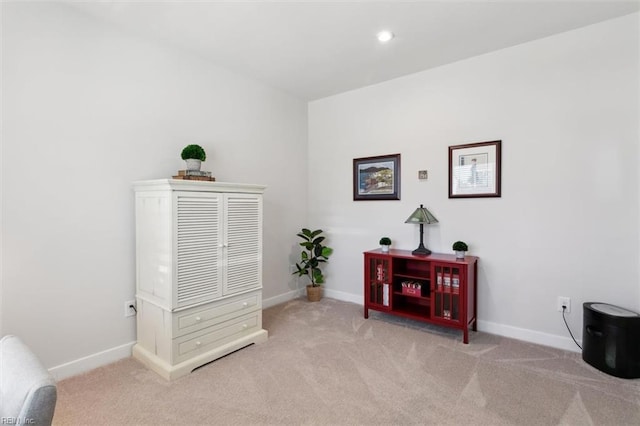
[[437, 288]]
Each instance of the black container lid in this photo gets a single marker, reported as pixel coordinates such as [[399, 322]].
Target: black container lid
[[612, 310]]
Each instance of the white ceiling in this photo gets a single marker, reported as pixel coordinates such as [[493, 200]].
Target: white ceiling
[[314, 49]]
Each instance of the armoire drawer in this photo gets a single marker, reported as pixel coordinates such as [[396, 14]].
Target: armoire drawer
[[204, 340], [200, 317]]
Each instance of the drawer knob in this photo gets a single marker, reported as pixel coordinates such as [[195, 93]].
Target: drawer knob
[[198, 343], [245, 326], [198, 319], [245, 304]]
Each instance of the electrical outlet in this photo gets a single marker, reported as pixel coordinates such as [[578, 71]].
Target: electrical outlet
[[128, 310], [566, 302]]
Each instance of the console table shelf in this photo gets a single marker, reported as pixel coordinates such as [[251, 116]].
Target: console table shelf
[[437, 288]]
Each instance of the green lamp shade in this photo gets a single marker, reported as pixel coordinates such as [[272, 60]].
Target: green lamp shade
[[421, 215]]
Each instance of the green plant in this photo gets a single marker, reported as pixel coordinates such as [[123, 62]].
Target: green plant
[[195, 152], [313, 255], [460, 246], [385, 241]]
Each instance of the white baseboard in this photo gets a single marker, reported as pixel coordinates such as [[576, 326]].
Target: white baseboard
[[345, 297], [282, 298], [294, 294], [90, 362], [532, 336]]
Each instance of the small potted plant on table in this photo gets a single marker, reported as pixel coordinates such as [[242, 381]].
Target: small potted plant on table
[[385, 242], [460, 247]]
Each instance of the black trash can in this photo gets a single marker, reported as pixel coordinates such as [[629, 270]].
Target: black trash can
[[611, 339]]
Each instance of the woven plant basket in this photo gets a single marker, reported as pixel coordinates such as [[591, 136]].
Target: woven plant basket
[[314, 294]]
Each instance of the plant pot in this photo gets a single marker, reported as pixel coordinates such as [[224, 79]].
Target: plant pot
[[193, 164], [314, 294], [460, 254], [385, 249]]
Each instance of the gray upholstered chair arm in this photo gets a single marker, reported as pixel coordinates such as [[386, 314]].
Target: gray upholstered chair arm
[[27, 390]]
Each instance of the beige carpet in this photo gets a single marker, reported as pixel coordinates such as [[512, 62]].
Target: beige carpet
[[325, 364]]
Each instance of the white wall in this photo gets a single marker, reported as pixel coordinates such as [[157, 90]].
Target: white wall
[[566, 110], [638, 123], [87, 110]]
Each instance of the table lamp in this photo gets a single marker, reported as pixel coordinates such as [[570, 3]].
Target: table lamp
[[421, 216]]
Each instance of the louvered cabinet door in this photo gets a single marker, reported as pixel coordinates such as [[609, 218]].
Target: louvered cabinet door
[[199, 247], [243, 244]]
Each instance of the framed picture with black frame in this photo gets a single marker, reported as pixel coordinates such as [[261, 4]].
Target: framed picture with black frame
[[474, 170], [376, 178]]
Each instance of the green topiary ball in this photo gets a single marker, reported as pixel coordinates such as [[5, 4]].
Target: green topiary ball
[[460, 246], [195, 152]]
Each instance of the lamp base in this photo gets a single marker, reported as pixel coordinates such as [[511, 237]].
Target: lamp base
[[421, 251]]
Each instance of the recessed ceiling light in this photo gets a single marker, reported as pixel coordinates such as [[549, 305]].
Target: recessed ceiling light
[[384, 36]]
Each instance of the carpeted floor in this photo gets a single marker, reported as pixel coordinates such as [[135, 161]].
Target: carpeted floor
[[325, 364]]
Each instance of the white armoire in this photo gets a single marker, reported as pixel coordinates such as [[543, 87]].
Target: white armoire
[[198, 272]]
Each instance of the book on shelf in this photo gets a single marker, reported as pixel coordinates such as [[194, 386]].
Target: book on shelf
[[379, 273], [202, 178], [194, 173], [455, 281], [385, 294]]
